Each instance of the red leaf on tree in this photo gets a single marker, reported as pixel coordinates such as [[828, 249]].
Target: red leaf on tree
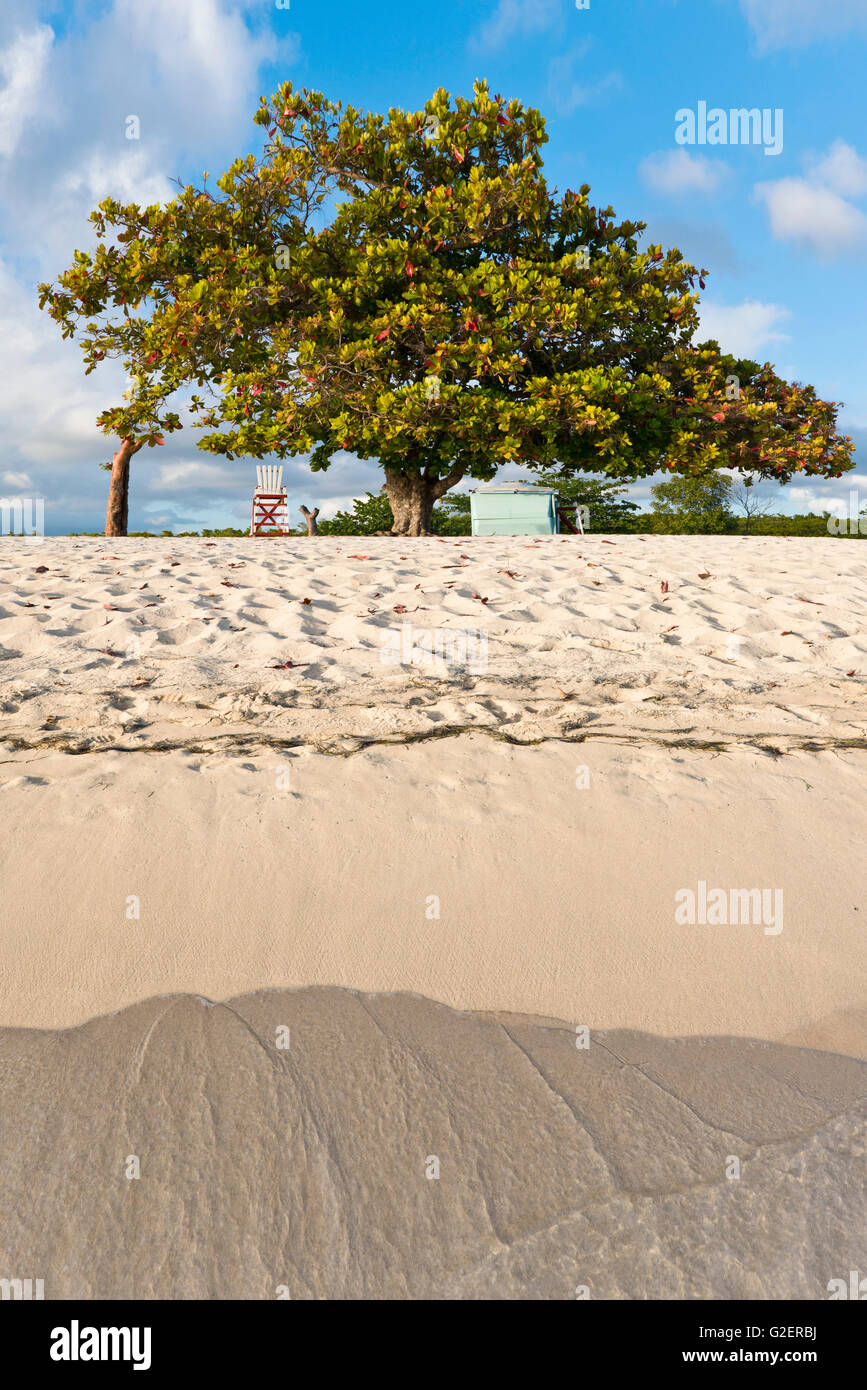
[[383, 334]]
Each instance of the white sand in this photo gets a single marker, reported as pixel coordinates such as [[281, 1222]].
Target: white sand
[[764, 644], [553, 900]]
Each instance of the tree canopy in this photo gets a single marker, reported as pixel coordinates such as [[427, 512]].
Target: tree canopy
[[406, 287]]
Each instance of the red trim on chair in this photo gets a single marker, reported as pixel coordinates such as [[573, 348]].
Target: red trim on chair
[[269, 511]]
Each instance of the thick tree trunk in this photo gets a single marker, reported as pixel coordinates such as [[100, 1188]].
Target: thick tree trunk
[[412, 496], [117, 511], [310, 518]]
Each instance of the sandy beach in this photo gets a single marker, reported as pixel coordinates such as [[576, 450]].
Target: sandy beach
[[336, 641], [258, 799], [442, 810]]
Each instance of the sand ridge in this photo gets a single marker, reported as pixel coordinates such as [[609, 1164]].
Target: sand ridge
[[652, 714], [170, 640]]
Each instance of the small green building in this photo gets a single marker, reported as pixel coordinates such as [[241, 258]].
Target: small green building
[[514, 509]]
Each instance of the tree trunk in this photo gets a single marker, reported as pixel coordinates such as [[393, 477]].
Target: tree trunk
[[412, 496], [310, 518], [117, 511]]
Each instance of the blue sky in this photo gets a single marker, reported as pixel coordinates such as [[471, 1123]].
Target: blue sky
[[784, 236]]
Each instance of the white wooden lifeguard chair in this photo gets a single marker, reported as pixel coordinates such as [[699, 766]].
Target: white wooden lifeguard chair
[[270, 508]]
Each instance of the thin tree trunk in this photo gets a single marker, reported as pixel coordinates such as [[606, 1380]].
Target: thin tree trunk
[[310, 518], [117, 511], [412, 496]]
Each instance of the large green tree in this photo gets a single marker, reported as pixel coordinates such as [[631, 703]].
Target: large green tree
[[408, 288]]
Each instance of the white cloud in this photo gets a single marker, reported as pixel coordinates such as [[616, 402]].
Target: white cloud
[[16, 480], [742, 329], [814, 216], [677, 171], [842, 169], [813, 212], [48, 407], [199, 54], [124, 174], [22, 71], [195, 473], [828, 497], [515, 18], [189, 72], [791, 23], [807, 499]]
